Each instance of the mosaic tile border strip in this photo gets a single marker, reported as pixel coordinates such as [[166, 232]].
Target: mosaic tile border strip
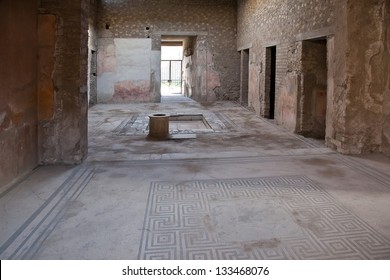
[[137, 124], [27, 240]]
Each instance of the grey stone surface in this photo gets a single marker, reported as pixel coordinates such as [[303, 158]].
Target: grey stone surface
[[264, 194], [284, 217], [43, 116]]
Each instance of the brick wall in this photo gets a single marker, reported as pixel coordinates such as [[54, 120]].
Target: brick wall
[[357, 58], [276, 21], [213, 20], [63, 136], [284, 24]]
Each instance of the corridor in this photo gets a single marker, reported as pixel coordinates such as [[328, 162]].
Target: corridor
[[242, 188]]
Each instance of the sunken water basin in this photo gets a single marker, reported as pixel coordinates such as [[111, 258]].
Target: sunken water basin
[[188, 123], [161, 125]]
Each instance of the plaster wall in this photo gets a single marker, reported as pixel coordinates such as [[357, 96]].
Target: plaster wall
[[18, 90], [362, 78], [62, 136], [244, 77], [189, 64], [124, 70], [199, 75]]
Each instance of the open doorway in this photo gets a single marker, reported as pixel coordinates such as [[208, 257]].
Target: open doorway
[[171, 68], [314, 94], [244, 78], [270, 79]]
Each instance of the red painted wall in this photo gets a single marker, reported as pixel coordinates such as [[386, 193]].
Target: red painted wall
[[18, 89]]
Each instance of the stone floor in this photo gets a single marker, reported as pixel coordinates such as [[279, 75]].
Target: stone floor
[[243, 189]]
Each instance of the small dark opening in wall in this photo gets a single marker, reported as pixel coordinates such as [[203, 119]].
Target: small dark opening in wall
[[107, 26], [271, 80], [92, 51], [147, 28], [148, 36]]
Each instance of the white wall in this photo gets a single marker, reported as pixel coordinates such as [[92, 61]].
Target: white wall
[[125, 71]]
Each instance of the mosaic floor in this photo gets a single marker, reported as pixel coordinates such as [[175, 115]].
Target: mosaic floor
[[259, 218], [243, 189]]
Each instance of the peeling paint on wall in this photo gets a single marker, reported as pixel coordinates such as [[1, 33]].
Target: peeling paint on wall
[[46, 48], [63, 127], [18, 91], [213, 78], [286, 104], [367, 78], [124, 70], [131, 91]]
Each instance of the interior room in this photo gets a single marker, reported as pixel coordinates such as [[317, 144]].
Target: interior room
[[275, 129]]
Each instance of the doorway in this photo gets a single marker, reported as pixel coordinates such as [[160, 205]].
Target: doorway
[[244, 79], [314, 94], [270, 82], [171, 68], [92, 78]]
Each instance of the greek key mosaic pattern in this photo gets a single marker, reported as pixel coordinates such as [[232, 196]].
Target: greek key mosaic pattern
[[293, 218]]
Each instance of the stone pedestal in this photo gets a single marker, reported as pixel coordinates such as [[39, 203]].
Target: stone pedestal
[[159, 126]]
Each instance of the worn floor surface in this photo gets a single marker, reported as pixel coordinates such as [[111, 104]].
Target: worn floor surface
[[243, 189]]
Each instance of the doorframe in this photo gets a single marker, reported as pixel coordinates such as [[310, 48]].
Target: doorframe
[[244, 77], [308, 100]]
